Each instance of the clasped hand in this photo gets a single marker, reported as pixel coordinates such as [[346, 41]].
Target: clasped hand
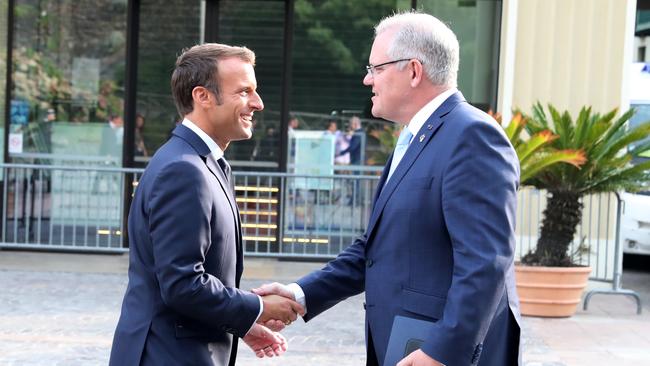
[[280, 309], [265, 342]]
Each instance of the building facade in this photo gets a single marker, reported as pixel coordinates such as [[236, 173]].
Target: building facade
[[78, 63], [86, 83]]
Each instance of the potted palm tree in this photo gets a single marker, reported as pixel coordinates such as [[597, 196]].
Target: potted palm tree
[[604, 140]]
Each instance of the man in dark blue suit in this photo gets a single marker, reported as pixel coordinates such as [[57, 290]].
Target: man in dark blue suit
[[440, 242], [356, 142], [182, 305]]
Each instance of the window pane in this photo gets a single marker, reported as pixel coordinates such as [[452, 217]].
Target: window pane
[[4, 7], [258, 25], [165, 30], [68, 79], [477, 26], [331, 45], [67, 106]]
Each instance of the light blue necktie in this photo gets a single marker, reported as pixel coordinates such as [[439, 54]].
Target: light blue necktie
[[400, 149]]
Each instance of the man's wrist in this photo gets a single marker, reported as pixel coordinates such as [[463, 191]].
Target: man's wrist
[[258, 314], [298, 294]]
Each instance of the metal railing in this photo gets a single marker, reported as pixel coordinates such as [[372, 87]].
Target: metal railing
[[596, 232], [80, 208], [283, 214], [316, 216], [61, 207]]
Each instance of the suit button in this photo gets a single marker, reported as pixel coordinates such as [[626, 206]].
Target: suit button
[[369, 263]]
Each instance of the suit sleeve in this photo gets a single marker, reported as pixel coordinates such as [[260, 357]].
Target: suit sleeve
[[355, 143], [339, 279], [180, 209], [479, 193]]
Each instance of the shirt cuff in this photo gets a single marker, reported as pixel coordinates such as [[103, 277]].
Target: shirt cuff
[[258, 314], [298, 294]]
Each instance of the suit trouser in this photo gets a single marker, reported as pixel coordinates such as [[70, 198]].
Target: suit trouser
[[371, 356]]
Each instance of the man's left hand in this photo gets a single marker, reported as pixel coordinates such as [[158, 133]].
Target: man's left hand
[[265, 342], [418, 358], [274, 325]]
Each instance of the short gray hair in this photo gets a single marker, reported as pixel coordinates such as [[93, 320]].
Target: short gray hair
[[426, 38]]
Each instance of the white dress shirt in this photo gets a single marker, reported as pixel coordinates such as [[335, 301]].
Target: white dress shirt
[[423, 114]]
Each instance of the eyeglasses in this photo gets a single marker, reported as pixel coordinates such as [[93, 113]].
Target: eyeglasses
[[371, 69]]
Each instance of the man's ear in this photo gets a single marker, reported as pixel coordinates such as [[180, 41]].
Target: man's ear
[[416, 72], [201, 96]]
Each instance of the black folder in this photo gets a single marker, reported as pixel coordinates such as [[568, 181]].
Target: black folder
[[406, 336]]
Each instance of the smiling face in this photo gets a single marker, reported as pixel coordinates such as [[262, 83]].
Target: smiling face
[[231, 117], [390, 85]]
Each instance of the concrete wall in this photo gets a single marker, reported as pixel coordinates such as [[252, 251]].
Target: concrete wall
[[569, 53]]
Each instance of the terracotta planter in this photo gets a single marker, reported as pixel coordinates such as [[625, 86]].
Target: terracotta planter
[[550, 291]]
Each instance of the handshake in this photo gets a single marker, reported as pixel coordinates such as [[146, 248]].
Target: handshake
[[280, 310]]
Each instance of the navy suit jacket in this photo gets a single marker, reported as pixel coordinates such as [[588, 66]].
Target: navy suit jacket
[[354, 149], [182, 306], [439, 244]]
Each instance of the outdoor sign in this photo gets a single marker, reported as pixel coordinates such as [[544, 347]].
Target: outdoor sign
[[314, 155], [15, 142], [19, 112]]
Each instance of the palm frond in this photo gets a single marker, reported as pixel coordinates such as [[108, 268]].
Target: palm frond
[[604, 141], [540, 162], [533, 144], [514, 128], [638, 150], [622, 140], [535, 153], [583, 125], [539, 116]]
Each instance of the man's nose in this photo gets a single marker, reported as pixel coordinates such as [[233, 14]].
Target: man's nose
[[367, 80], [256, 102]]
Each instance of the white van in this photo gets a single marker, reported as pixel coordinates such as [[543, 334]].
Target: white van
[[635, 217], [635, 223]]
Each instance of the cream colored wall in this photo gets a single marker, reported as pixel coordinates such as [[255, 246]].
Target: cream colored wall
[[567, 52]]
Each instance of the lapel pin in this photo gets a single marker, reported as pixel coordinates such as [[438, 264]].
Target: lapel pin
[[421, 138], [430, 127]]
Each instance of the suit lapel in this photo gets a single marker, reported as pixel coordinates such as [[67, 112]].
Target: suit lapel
[[420, 140], [213, 166], [202, 149], [382, 179]]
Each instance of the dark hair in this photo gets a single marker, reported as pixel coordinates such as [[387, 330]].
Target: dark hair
[[198, 66]]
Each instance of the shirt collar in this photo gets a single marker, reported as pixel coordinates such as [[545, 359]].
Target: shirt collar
[[215, 150], [423, 114]]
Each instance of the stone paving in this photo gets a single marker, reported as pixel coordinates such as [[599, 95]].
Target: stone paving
[[64, 314], [59, 318]]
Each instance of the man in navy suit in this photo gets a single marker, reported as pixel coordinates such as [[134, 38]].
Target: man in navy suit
[[354, 148], [440, 241], [182, 305]]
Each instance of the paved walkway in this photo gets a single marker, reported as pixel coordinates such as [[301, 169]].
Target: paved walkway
[[61, 309]]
